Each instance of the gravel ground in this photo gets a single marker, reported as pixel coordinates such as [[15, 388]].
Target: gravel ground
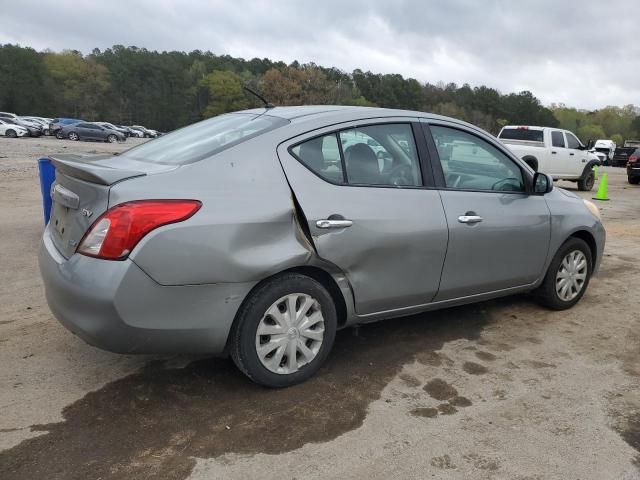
[[498, 390]]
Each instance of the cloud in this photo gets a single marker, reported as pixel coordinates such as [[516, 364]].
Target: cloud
[[579, 53]]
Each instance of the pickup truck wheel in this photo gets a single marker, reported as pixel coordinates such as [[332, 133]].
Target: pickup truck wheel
[[567, 277], [586, 183]]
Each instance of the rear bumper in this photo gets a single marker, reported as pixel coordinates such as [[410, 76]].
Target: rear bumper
[[633, 172], [115, 306]]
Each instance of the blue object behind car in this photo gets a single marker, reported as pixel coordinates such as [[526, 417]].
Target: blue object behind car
[[47, 173]]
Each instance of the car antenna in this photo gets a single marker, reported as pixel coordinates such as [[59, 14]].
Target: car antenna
[[256, 94]]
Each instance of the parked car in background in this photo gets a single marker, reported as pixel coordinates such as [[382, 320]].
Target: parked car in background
[[57, 123], [556, 152], [123, 131], [622, 154], [633, 167], [92, 132], [33, 129], [146, 132], [42, 122], [8, 116], [132, 131], [605, 150], [12, 130], [164, 262]]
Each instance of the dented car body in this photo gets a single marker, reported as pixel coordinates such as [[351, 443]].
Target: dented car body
[[384, 241]]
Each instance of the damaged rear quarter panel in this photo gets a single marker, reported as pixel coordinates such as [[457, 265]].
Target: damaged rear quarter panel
[[245, 231]]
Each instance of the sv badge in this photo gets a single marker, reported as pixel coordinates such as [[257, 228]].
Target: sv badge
[[86, 213]]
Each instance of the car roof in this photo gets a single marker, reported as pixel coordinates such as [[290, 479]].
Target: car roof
[[329, 114]]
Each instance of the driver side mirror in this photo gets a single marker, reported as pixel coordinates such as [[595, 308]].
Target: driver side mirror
[[542, 183]]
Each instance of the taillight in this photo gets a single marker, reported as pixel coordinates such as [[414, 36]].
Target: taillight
[[117, 231], [633, 159]]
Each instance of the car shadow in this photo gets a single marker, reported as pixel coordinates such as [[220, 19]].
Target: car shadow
[[153, 423]]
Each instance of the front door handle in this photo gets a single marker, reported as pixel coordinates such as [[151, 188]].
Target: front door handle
[[327, 223], [470, 218]]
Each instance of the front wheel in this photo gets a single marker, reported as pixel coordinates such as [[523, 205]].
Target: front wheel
[[284, 331], [568, 275], [11, 133], [585, 184]]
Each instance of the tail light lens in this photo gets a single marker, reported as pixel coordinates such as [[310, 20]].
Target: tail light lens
[[117, 231], [633, 159]]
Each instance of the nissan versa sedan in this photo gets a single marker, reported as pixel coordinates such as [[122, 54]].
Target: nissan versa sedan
[[257, 234]]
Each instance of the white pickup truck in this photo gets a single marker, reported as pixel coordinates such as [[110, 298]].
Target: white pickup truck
[[553, 151]]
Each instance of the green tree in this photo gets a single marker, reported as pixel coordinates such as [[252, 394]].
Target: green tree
[[22, 79], [617, 138], [590, 132], [225, 93], [80, 83]]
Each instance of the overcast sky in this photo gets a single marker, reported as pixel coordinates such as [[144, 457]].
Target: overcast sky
[[582, 53]]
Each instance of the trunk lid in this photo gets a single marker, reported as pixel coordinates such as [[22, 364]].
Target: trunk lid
[[80, 193]]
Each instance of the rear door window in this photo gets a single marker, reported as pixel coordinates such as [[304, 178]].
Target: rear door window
[[379, 155], [557, 139], [321, 155]]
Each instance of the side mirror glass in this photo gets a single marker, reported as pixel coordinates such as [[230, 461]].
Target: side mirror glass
[[542, 183]]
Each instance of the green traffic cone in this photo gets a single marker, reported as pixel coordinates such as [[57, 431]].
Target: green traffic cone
[[602, 189], [595, 171]]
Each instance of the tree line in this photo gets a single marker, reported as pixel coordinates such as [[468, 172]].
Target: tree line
[[167, 90]]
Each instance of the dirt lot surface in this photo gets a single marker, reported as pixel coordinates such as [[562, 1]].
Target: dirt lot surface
[[498, 390]]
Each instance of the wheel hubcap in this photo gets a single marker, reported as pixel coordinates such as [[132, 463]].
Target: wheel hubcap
[[571, 275], [290, 333]]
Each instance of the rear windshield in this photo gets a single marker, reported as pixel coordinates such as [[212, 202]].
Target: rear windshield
[[203, 139], [521, 134]]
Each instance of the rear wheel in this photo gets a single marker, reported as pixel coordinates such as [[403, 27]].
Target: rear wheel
[[568, 275], [633, 180], [11, 133], [284, 331], [112, 138], [74, 136], [586, 183]]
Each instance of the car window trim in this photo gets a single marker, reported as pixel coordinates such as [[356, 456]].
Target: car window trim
[[437, 165], [413, 122]]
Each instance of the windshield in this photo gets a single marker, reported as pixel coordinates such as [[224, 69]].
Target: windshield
[[203, 139], [521, 134]]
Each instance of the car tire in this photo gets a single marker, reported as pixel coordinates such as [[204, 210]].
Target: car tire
[[112, 138], [59, 135], [73, 136], [11, 133], [45, 132], [633, 180], [551, 292], [272, 366], [585, 184]]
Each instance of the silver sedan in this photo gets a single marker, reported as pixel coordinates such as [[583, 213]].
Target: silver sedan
[[258, 234]]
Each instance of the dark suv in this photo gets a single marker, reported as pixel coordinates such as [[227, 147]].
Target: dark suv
[[633, 167]]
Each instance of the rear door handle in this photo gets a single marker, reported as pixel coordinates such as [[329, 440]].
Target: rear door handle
[[470, 218], [572, 153], [553, 153], [326, 223]]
